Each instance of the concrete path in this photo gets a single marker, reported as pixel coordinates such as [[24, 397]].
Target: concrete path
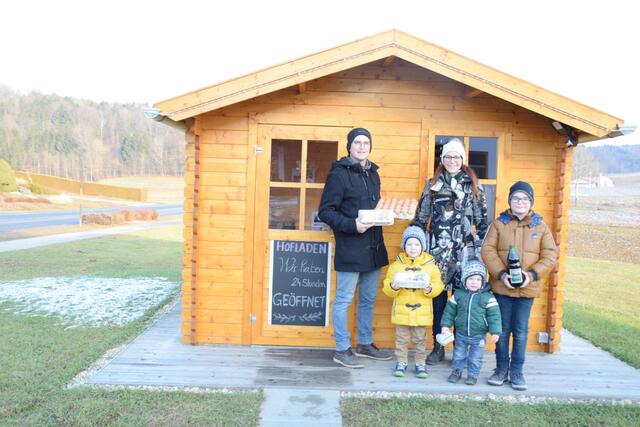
[[34, 242], [296, 407]]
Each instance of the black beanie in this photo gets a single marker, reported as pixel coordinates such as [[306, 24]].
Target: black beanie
[[356, 132], [525, 187]]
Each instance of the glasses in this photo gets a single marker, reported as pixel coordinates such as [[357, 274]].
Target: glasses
[[453, 158], [520, 200]]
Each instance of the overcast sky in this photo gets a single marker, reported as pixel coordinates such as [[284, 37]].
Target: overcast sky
[[147, 51]]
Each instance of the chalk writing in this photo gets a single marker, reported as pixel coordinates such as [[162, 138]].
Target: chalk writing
[[299, 282]]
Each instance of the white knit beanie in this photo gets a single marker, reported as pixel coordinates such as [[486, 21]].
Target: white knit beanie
[[455, 145]]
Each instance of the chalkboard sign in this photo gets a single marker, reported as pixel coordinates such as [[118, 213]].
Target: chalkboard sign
[[299, 283]]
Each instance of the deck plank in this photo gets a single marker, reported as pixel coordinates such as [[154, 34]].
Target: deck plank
[[158, 358]]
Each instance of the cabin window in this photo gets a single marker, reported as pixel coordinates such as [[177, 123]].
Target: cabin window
[[285, 160], [483, 156], [299, 169]]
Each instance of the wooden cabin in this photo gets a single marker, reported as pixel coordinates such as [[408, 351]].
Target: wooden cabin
[[257, 260]]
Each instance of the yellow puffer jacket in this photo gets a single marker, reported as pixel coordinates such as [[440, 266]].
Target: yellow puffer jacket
[[413, 307]]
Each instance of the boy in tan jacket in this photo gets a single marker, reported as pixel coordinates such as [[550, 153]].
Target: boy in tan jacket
[[522, 227]]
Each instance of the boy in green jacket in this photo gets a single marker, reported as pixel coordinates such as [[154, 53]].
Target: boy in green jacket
[[474, 311]]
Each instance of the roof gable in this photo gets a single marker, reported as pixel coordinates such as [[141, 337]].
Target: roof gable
[[401, 45]]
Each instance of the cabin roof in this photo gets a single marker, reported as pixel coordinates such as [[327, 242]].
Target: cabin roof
[[395, 43]]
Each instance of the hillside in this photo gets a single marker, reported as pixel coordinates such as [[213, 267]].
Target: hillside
[[617, 159], [82, 139]]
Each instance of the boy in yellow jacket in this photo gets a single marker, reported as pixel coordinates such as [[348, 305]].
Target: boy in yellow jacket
[[412, 308]]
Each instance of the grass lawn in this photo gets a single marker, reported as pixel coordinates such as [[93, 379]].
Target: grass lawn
[[602, 300], [38, 356], [156, 252], [426, 412]]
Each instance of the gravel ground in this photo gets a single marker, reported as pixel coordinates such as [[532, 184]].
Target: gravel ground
[[606, 215], [519, 398]]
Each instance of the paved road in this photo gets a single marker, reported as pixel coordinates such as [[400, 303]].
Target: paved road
[[35, 242], [24, 220]]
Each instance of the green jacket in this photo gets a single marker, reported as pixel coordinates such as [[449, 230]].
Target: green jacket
[[473, 313]]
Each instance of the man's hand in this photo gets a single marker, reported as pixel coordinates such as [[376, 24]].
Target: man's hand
[[427, 289], [495, 338], [362, 227], [445, 330], [394, 286]]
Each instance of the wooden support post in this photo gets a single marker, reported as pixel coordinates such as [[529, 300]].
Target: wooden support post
[[191, 133], [302, 87], [554, 279], [249, 238]]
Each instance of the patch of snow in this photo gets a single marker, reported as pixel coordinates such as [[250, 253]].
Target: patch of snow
[[87, 301]]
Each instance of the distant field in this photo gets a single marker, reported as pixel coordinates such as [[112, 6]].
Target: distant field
[[602, 295], [605, 242], [618, 205], [160, 189]]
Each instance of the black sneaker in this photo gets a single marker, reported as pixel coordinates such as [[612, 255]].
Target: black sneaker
[[347, 358], [517, 381], [455, 376], [499, 377], [471, 380], [436, 355], [372, 352]]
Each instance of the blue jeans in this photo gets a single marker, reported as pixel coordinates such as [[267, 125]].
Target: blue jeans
[[468, 351], [515, 314], [345, 289]]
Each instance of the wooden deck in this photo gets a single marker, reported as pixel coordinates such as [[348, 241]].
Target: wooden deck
[[158, 358]]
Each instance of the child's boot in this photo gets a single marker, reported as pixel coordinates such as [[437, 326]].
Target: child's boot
[[421, 371], [455, 376], [400, 369], [471, 380]]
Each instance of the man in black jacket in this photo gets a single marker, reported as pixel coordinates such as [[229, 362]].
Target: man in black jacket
[[354, 184]]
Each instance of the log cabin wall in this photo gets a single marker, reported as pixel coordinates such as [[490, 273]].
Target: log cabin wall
[[404, 106]]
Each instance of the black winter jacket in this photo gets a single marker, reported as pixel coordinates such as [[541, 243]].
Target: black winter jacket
[[350, 187]]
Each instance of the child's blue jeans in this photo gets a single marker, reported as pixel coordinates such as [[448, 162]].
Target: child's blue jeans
[[515, 314], [468, 351]]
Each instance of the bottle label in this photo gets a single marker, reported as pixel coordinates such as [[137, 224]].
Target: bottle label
[[516, 276]]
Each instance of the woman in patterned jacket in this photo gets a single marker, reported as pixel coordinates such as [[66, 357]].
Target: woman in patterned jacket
[[453, 213]]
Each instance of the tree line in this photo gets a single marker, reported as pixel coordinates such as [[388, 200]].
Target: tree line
[[81, 139], [605, 159]]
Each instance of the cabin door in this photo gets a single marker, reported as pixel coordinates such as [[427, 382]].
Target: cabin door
[[289, 305]]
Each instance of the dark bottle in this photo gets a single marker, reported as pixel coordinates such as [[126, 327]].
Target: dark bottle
[[515, 270]]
